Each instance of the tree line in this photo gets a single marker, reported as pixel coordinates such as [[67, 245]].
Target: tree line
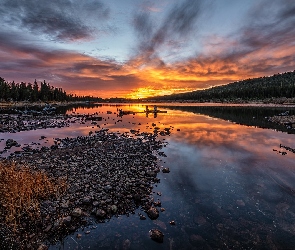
[[11, 91], [276, 86]]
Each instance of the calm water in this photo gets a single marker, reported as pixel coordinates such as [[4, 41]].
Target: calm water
[[229, 187]]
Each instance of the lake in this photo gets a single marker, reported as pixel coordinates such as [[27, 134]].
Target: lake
[[230, 185]]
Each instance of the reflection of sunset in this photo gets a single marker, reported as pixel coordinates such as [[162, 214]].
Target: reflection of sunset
[[211, 137]]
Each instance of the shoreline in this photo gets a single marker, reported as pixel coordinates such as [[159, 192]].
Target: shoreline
[[103, 156], [34, 104], [106, 174], [5, 105]]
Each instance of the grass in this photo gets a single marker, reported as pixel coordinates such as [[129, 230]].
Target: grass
[[21, 190]]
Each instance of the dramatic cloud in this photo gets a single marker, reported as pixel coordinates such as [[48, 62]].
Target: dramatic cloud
[[263, 46], [73, 71], [179, 22], [59, 19], [171, 46]]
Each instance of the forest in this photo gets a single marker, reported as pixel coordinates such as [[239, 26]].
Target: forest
[[34, 92], [278, 87], [255, 89]]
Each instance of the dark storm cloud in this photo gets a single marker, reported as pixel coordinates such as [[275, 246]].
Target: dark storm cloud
[[179, 22], [59, 19]]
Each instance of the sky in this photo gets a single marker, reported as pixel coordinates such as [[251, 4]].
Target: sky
[[135, 49]]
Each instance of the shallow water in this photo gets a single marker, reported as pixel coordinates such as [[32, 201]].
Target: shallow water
[[229, 187]]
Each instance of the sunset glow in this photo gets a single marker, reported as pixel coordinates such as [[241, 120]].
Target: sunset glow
[[138, 49]]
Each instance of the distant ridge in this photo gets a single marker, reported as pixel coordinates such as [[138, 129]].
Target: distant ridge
[[278, 86]]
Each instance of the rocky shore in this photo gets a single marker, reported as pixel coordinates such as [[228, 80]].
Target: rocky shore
[[107, 174], [287, 120], [35, 104]]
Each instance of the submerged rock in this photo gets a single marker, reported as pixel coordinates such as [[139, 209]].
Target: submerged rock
[[156, 235]]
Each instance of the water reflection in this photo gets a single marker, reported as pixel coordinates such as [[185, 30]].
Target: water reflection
[[227, 188], [250, 116]]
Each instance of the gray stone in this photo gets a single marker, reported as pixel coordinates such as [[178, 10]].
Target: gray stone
[[77, 212]]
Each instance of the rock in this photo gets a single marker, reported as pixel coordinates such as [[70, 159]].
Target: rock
[[77, 212], [42, 247], [114, 209], [126, 244], [107, 187], [100, 213], [153, 213], [157, 203], [142, 217], [67, 220], [137, 197], [172, 222], [47, 229], [95, 203], [156, 235], [10, 143], [65, 204], [166, 170], [151, 173], [86, 200]]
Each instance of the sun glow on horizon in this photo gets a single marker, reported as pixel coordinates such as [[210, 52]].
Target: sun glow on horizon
[[146, 92]]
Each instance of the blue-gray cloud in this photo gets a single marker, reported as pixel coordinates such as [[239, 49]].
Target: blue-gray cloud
[[178, 24], [58, 19]]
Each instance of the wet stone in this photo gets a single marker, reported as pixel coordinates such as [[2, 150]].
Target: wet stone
[[10, 143], [86, 200], [114, 209], [67, 220], [153, 213], [142, 217], [95, 203], [100, 213], [156, 235], [151, 173], [77, 212], [166, 170], [42, 247]]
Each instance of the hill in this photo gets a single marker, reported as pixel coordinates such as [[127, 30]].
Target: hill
[[277, 88]]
